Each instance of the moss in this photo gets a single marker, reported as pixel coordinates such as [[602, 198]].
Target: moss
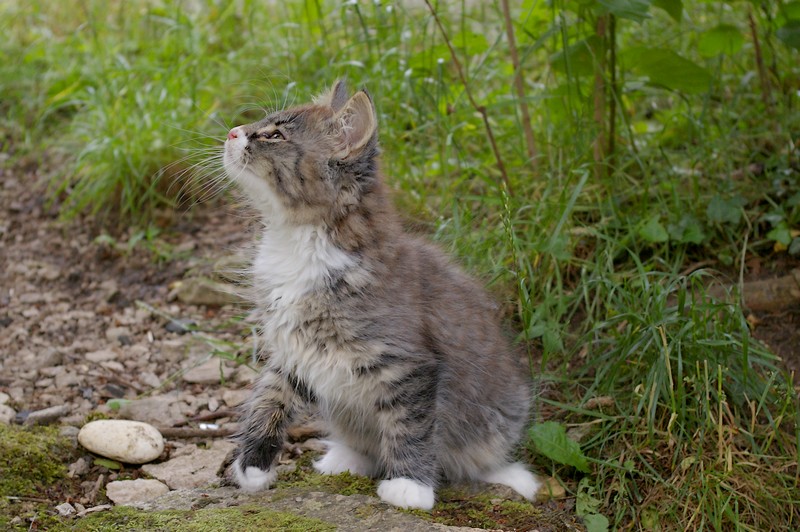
[[31, 459], [248, 517], [454, 508], [343, 483], [32, 470]]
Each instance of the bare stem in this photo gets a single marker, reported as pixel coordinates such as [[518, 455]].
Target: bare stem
[[762, 71], [479, 108], [519, 86], [600, 100]]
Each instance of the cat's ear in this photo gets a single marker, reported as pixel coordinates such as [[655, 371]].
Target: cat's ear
[[355, 125], [335, 97]]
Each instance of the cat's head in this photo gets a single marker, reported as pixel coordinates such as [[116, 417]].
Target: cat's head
[[308, 164]]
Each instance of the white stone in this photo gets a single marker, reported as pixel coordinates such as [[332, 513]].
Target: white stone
[[124, 492], [132, 442]]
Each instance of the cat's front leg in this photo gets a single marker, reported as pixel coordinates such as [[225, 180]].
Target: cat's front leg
[[263, 431], [407, 417]]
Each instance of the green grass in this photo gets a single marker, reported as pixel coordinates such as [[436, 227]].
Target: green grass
[[586, 250]]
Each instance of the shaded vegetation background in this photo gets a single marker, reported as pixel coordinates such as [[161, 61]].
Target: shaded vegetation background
[[602, 171]]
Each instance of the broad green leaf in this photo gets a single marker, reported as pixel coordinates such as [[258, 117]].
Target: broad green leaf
[[665, 68], [781, 234], [688, 230], [550, 439], [724, 39], [577, 59], [595, 523], [721, 210], [789, 11], [674, 8], [637, 10], [789, 33], [653, 231]]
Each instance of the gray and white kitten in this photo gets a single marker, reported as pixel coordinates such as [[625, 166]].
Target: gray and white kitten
[[399, 349]]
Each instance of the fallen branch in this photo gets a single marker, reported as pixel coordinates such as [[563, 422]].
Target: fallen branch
[[767, 294], [186, 433]]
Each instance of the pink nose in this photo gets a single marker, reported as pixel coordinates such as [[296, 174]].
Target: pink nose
[[233, 134]]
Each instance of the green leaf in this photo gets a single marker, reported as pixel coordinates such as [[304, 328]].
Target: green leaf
[[577, 59], [595, 523], [653, 231], [724, 39], [688, 230], [721, 210], [550, 439], [105, 462], [665, 68], [789, 33], [674, 8], [781, 233], [636, 10], [115, 404], [794, 247]]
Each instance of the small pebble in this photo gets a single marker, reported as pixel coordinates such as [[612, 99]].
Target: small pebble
[[65, 509]]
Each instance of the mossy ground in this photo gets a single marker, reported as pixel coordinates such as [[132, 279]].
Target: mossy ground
[[248, 517], [33, 472], [304, 475], [453, 507], [33, 479]]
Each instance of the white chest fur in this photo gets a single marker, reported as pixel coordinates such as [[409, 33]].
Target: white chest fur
[[292, 265]]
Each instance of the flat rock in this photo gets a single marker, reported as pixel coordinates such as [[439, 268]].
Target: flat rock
[[353, 513], [195, 467], [209, 372], [204, 291], [162, 410], [127, 492], [47, 415], [132, 442]]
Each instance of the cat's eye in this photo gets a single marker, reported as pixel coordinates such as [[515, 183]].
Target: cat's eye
[[276, 135]]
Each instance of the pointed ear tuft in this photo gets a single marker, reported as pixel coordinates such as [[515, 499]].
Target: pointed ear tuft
[[335, 97], [356, 125]]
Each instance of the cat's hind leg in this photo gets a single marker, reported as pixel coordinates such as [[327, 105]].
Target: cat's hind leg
[[517, 477], [340, 458]]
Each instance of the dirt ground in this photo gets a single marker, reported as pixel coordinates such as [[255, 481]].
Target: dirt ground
[[77, 329]]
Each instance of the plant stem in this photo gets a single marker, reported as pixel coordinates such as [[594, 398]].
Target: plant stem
[[519, 86], [600, 99], [479, 108], [762, 71]]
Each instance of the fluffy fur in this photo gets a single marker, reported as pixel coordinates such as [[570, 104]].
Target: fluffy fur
[[400, 350]]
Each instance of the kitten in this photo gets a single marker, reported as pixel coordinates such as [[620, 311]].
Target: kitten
[[399, 349]]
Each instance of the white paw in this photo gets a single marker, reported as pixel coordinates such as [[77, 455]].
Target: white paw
[[252, 478], [516, 477], [406, 493], [341, 458]]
